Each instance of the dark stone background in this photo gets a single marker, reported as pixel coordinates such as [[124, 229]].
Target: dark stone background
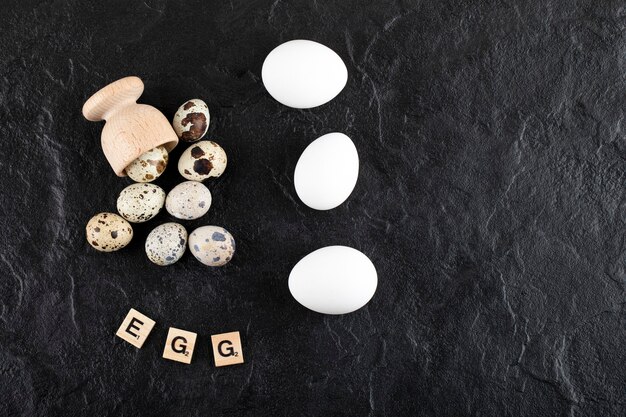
[[490, 199]]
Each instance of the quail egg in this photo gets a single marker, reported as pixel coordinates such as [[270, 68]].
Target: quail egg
[[108, 232], [166, 243], [202, 160], [191, 120], [212, 245], [139, 203], [149, 166], [188, 200]]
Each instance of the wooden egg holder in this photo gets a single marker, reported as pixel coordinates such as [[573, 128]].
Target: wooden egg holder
[[180, 344], [131, 129]]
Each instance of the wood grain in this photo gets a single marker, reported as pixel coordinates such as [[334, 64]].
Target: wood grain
[[131, 129]]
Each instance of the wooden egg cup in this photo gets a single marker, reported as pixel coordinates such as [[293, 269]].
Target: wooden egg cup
[[131, 129]]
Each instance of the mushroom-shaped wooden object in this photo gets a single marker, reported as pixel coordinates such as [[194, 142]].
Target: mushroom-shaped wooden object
[[131, 129]]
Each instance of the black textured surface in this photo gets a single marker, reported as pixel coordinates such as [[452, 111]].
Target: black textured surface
[[490, 199]]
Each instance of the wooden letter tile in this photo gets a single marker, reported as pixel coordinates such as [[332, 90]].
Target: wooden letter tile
[[179, 345], [227, 349], [135, 328]]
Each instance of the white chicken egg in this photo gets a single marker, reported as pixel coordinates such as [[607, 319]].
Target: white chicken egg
[[303, 74], [327, 171], [333, 280]]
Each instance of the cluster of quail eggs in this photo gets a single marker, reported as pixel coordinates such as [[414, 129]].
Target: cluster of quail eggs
[[189, 200]]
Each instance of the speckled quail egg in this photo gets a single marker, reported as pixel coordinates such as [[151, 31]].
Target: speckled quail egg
[[191, 120], [139, 203], [166, 243], [188, 200], [149, 166], [108, 232], [212, 245], [202, 160]]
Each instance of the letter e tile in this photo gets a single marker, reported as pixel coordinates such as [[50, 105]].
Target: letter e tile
[[135, 328]]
